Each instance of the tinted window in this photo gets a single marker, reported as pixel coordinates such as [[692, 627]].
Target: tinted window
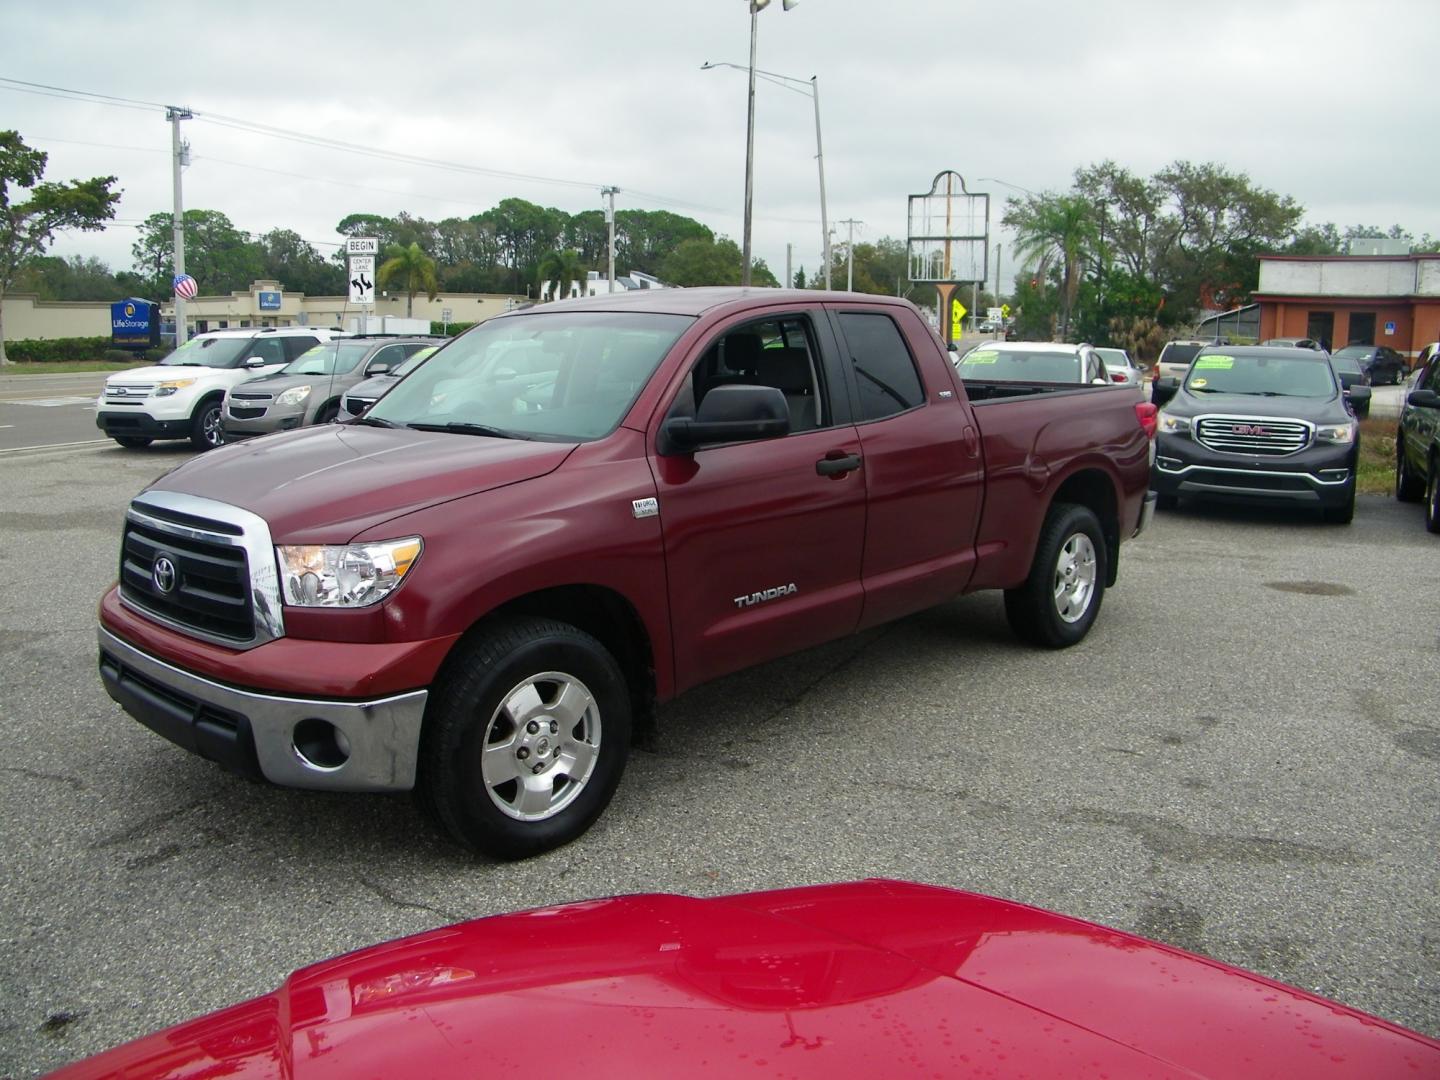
[[1175, 353], [1019, 365], [1358, 352], [1348, 364], [333, 358], [271, 350], [297, 344], [884, 369], [778, 353]]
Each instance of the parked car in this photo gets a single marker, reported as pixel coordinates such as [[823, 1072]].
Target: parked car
[[1293, 343], [1383, 365], [1351, 374], [1032, 361], [1417, 444], [1120, 367], [183, 396], [989, 326], [308, 390], [571, 513], [366, 392], [1259, 425], [863, 979], [1174, 361]]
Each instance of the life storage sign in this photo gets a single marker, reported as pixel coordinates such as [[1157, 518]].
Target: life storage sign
[[134, 324]]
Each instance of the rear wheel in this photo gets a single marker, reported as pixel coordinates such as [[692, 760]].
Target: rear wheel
[[526, 737], [1408, 486], [1060, 599], [133, 442], [206, 429]]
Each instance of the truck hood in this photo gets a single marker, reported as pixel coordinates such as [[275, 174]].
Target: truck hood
[[1302, 408], [326, 484]]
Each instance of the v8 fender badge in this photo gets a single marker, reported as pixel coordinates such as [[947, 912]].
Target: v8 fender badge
[[643, 508], [766, 595]]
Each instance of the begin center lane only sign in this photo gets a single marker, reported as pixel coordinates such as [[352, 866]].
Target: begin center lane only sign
[[362, 279]]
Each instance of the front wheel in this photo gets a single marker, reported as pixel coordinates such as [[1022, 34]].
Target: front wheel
[[1060, 599], [206, 429], [526, 738]]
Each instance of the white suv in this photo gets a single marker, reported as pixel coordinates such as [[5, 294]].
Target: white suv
[[180, 397]]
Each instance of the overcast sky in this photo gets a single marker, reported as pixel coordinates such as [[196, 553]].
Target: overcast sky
[[1331, 103]]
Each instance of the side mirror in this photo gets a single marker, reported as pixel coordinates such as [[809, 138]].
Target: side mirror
[[377, 367], [256, 361], [1162, 390], [1358, 394], [1424, 399], [736, 413]]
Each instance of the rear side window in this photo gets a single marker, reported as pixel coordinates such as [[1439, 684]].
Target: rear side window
[[297, 344], [1175, 353], [884, 369]]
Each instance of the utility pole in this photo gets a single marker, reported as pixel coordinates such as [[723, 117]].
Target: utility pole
[[997, 275], [789, 277], [749, 153], [609, 193], [850, 254], [820, 157], [181, 152]]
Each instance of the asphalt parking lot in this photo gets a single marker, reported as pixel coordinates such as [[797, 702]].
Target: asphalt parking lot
[[1242, 760]]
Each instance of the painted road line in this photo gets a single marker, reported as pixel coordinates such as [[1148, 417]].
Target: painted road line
[[54, 402], [56, 446]]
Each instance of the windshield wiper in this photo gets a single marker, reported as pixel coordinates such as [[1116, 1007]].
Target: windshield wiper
[[373, 421], [458, 428]]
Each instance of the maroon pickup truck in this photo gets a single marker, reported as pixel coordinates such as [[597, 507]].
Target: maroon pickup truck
[[574, 512]]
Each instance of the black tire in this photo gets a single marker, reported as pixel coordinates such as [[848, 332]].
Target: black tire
[[132, 442], [207, 429], [1345, 512], [467, 713], [1408, 487], [1362, 411], [1167, 502], [328, 413], [1432, 497], [1034, 610]]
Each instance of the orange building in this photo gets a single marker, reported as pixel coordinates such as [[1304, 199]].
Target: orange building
[[1391, 300]]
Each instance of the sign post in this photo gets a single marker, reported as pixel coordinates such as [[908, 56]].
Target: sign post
[[949, 245]]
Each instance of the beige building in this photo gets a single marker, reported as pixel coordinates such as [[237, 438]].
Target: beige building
[[263, 304]]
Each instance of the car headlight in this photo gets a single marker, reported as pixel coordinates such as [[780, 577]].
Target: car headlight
[[1336, 433], [165, 389], [294, 396], [1173, 425], [348, 575]]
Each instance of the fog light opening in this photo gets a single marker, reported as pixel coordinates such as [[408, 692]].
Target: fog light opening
[[320, 744]]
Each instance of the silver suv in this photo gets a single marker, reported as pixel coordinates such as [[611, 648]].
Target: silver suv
[[308, 390]]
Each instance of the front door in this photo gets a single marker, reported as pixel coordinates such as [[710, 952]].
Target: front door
[[763, 539]]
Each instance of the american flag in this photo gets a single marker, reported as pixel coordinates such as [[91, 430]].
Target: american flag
[[185, 287]]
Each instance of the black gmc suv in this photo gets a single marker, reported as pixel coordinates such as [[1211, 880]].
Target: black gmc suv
[[1260, 425]]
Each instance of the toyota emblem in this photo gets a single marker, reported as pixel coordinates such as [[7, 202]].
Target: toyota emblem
[[164, 574]]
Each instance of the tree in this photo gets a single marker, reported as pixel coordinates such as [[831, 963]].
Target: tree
[[218, 256], [699, 261], [412, 270], [27, 228], [1058, 230], [561, 267], [288, 258], [77, 278], [799, 282]]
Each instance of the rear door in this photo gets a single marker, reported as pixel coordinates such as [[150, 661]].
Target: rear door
[[763, 539], [923, 473], [1420, 424]]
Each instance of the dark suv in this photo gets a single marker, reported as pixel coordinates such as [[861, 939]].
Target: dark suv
[[1417, 445], [1259, 425]]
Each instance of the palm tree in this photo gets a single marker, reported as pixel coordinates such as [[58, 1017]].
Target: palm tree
[[412, 270], [561, 267], [1051, 227]]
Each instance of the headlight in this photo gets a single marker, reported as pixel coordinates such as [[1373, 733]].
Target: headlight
[[294, 396], [351, 575], [1173, 425], [1336, 433], [165, 389]]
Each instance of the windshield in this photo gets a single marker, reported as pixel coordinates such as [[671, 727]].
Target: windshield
[[1019, 365], [1265, 376], [209, 352], [1114, 358], [1348, 364], [335, 358], [1359, 352], [1175, 353], [414, 361], [567, 376]]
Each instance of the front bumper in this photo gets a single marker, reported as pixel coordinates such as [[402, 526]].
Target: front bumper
[[273, 418], [256, 734], [1317, 476], [141, 424]]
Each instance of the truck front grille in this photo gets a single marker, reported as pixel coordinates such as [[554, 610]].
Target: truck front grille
[[1251, 435], [201, 567]]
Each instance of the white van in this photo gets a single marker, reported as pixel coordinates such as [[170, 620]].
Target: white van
[[180, 397]]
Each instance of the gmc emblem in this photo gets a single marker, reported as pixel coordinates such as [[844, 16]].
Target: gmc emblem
[[1248, 429]]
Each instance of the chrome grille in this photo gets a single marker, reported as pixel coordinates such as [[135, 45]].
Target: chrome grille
[[356, 406], [1252, 435], [127, 392]]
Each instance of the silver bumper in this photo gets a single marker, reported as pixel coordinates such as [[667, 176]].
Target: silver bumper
[[383, 735]]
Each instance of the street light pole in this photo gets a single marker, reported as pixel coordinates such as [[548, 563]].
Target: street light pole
[[181, 154], [820, 160]]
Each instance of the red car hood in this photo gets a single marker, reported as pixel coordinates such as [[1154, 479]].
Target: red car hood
[[870, 979], [335, 480]]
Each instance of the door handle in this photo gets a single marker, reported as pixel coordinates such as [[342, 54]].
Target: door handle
[[837, 466]]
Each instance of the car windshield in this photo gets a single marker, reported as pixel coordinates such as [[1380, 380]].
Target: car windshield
[[1175, 353], [566, 376], [209, 352], [1019, 365], [333, 358], [1114, 358], [1348, 364], [1359, 352], [1306, 375]]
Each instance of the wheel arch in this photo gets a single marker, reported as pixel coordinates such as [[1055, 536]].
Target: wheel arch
[[1094, 488]]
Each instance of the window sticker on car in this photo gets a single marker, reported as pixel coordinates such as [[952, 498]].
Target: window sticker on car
[[1198, 383], [980, 356], [1215, 363]]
